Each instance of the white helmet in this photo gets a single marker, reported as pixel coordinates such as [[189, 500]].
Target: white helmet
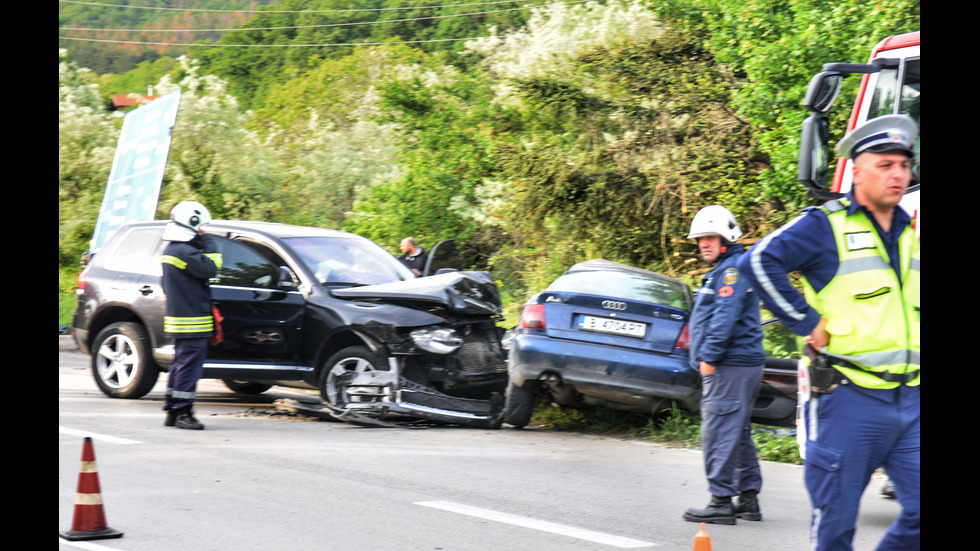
[[190, 214], [715, 220]]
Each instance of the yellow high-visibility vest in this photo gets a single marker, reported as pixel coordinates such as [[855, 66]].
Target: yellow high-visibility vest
[[872, 318]]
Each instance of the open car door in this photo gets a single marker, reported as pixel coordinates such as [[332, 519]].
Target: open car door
[[443, 256]]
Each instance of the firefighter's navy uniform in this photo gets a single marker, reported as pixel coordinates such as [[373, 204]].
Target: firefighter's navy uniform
[[726, 332], [188, 263], [865, 283]]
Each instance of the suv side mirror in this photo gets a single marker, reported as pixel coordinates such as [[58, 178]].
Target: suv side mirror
[[287, 281]]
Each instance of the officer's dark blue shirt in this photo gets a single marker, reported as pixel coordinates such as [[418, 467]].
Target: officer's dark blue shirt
[[806, 244], [725, 325]]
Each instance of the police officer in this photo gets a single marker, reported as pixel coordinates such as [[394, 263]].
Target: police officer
[[726, 347], [189, 261], [859, 258]]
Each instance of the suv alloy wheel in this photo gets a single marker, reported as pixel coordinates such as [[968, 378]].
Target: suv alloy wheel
[[121, 363]]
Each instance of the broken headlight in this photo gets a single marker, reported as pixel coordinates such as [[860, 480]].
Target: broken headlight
[[439, 341]]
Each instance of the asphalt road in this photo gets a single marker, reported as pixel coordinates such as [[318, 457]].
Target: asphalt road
[[254, 480]]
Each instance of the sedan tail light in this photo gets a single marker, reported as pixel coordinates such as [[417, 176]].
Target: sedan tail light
[[532, 317], [684, 339]]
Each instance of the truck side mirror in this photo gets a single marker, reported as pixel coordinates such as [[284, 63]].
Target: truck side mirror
[[822, 91], [814, 162]]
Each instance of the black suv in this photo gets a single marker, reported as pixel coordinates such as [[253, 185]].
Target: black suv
[[308, 308]]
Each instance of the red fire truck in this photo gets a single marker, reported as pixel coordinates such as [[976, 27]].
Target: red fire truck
[[890, 85]]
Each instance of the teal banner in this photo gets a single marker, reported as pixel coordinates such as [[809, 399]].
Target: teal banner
[[137, 169]]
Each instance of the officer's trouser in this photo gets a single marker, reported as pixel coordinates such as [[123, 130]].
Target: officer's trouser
[[730, 460], [186, 370], [850, 433]]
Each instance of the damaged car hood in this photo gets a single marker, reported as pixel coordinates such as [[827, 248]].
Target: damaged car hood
[[463, 292]]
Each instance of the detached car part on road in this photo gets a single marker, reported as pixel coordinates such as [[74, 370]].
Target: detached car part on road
[[307, 308], [612, 335]]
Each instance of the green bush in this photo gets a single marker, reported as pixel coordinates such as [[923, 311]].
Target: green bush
[[675, 428]]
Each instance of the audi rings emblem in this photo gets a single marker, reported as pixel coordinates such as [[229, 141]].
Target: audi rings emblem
[[613, 305]]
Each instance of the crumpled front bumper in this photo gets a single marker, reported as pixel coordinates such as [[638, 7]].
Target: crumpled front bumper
[[376, 394]]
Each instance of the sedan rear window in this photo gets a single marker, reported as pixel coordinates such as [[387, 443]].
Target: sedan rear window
[[623, 286]]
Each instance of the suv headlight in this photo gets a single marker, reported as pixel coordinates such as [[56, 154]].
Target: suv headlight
[[439, 341]]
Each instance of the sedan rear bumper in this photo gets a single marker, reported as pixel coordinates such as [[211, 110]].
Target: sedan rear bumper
[[605, 371]]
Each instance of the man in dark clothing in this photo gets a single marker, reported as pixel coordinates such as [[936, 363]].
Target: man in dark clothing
[[189, 261], [413, 256], [726, 348]]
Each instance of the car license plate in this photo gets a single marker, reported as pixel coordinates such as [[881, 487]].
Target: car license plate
[[612, 326]]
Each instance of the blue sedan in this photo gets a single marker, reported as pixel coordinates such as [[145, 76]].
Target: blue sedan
[[607, 334]]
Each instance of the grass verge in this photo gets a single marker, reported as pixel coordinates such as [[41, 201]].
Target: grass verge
[[674, 428], [67, 281]]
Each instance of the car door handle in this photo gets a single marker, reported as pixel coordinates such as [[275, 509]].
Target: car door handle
[[146, 289]]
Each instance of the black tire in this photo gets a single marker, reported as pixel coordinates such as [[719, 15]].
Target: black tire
[[121, 361], [352, 359], [520, 402], [245, 387]]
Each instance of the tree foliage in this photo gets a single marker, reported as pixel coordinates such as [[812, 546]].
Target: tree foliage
[[150, 32], [570, 131], [773, 47]]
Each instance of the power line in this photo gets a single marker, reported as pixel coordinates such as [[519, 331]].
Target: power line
[[173, 44], [308, 26], [212, 45], [288, 11]]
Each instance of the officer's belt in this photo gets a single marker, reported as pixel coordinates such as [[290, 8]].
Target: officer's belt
[[887, 376]]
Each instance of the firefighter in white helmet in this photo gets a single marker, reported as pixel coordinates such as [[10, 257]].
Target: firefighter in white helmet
[[726, 348], [189, 260]]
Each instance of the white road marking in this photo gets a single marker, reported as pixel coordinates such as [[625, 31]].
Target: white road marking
[[544, 526], [97, 436]]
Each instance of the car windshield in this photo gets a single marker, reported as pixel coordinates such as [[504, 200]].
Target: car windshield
[[625, 286], [348, 260]]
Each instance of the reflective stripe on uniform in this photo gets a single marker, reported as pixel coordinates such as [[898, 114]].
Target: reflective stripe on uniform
[[173, 261], [199, 324], [216, 258]]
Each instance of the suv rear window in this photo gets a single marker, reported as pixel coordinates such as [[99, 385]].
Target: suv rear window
[[136, 252]]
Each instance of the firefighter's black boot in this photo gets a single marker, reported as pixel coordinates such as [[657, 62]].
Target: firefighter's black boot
[[747, 506], [171, 418], [185, 420], [718, 511]]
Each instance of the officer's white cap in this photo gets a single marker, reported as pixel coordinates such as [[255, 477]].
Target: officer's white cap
[[887, 133]]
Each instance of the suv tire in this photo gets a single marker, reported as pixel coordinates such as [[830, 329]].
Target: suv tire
[[245, 387], [354, 359], [121, 361]]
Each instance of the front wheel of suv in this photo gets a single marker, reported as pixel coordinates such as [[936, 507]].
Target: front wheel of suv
[[341, 368], [121, 361]]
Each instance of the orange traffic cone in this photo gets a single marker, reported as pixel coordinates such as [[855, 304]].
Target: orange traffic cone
[[89, 521], [702, 541]]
